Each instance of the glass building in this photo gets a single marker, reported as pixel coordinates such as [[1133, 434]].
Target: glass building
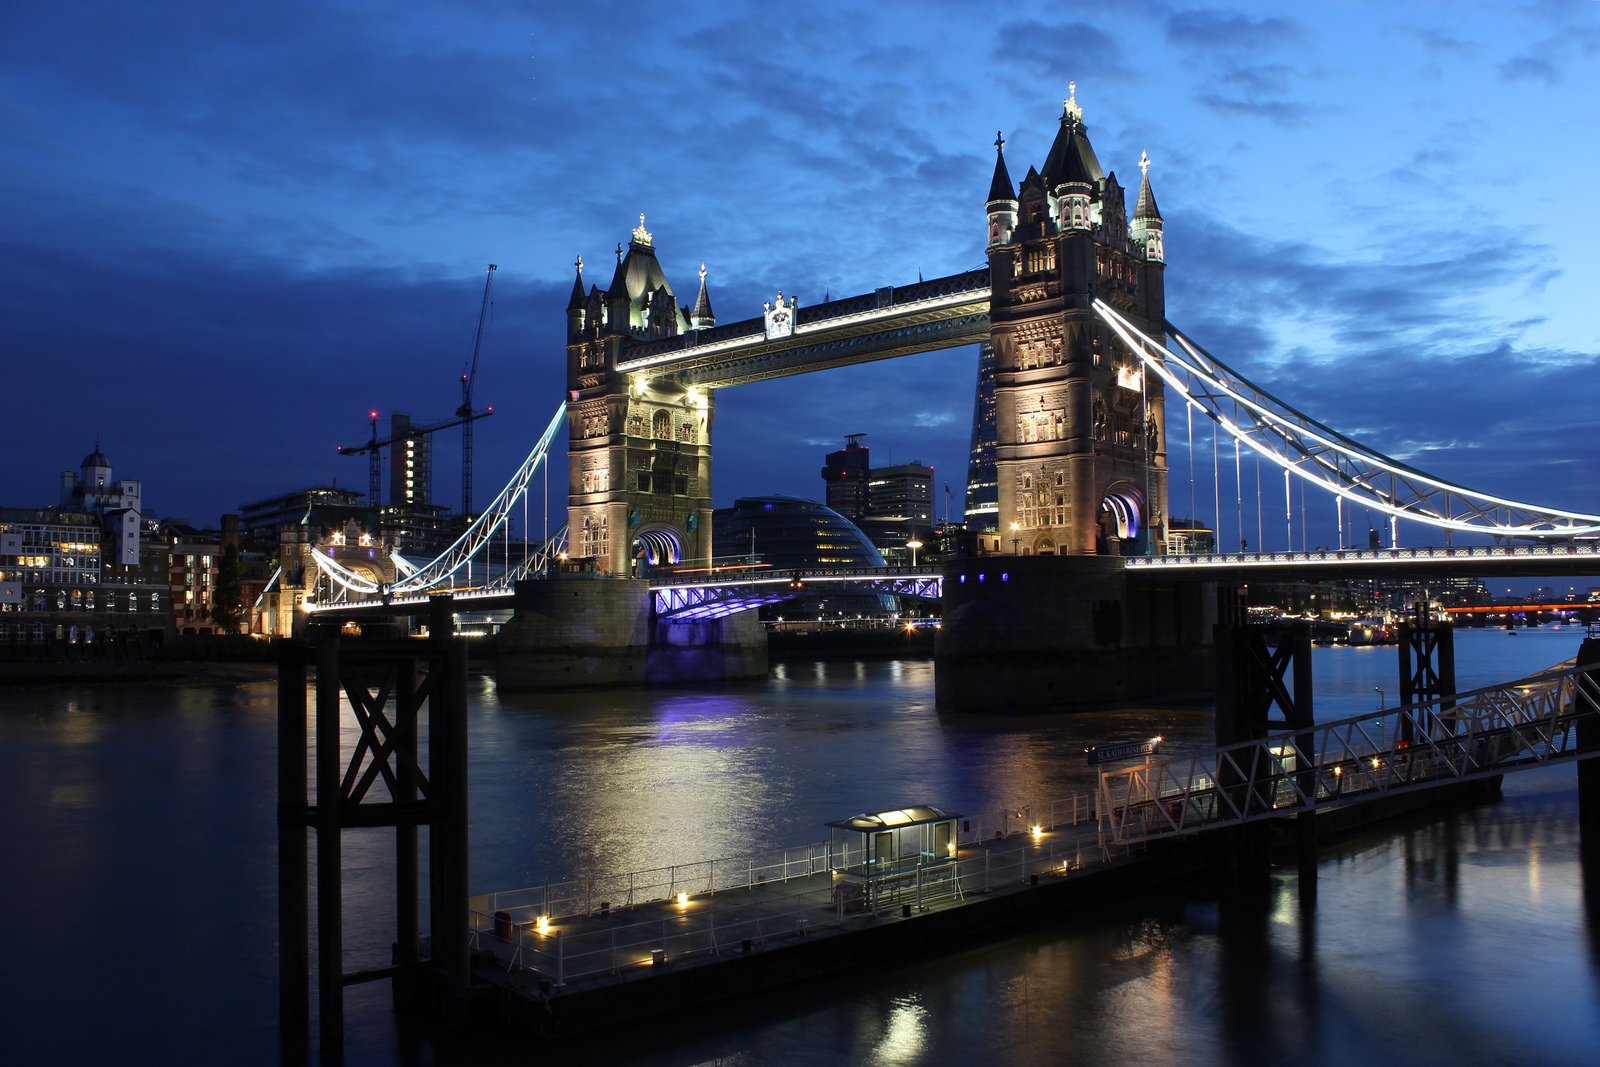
[[983, 485], [786, 531]]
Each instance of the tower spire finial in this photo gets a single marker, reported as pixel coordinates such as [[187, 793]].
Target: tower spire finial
[[1070, 108], [999, 141], [641, 234], [1144, 163], [579, 264]]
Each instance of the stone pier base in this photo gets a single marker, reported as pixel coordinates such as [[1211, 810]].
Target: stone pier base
[[573, 631], [1069, 633]]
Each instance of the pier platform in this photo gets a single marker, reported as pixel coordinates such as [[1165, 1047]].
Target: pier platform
[[615, 949], [566, 958]]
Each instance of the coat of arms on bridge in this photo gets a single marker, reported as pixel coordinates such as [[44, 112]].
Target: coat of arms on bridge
[[780, 317]]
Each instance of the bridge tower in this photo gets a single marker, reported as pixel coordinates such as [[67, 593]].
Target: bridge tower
[[639, 451], [1080, 431]]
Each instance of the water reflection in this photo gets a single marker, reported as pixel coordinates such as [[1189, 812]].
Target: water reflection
[[151, 812]]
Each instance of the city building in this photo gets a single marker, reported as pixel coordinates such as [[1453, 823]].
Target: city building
[[788, 533], [114, 503], [892, 505], [1186, 537], [982, 512], [844, 476], [260, 521], [192, 575], [410, 464], [903, 493]]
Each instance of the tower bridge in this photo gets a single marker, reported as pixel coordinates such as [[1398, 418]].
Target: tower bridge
[[1072, 303]]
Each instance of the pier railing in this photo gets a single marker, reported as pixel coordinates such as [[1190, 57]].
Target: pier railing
[[604, 893], [1467, 736], [615, 945]]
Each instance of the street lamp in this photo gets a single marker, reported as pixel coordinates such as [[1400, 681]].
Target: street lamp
[[1379, 691], [913, 545], [1016, 539]]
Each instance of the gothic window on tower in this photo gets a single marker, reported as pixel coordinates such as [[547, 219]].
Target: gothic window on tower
[[686, 432], [661, 426], [1027, 482]]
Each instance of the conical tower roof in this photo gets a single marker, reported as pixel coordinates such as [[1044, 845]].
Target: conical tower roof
[[703, 315], [1072, 157], [577, 288], [1146, 206], [1001, 189]]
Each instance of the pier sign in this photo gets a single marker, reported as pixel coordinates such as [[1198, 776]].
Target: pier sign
[[1099, 754]]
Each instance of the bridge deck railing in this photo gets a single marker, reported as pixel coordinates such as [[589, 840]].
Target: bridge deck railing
[[1469, 736], [1584, 548]]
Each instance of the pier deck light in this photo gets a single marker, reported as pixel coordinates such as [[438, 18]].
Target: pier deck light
[[683, 900], [542, 924]]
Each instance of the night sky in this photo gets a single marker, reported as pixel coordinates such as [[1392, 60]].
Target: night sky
[[230, 230]]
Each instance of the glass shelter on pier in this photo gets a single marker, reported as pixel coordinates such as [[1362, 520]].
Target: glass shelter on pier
[[878, 859]]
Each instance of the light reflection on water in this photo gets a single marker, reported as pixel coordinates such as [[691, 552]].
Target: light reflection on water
[[141, 825]]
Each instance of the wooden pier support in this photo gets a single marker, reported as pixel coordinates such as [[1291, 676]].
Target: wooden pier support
[[422, 677], [1262, 669]]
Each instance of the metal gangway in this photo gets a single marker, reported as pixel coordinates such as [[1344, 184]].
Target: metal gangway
[[1466, 737]]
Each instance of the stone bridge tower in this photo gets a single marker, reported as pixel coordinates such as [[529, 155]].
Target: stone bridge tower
[[639, 452], [1080, 431]]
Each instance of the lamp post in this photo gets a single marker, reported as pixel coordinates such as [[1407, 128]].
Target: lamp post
[[913, 545], [1379, 691], [1016, 539]]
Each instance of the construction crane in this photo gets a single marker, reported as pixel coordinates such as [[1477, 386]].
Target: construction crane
[[468, 378], [374, 447]]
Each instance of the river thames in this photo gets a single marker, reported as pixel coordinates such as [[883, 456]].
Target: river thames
[[138, 894]]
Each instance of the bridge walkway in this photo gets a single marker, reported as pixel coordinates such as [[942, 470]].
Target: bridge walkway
[[1470, 736]]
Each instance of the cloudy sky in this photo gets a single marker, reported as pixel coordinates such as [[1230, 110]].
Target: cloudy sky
[[229, 230]]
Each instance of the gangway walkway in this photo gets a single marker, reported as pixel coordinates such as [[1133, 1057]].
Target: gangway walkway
[[1470, 736]]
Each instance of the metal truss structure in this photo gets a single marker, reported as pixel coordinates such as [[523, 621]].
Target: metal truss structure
[[892, 321], [1466, 737], [1307, 449], [700, 599]]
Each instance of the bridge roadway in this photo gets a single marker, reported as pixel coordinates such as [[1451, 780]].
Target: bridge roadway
[[1501, 561], [703, 595]]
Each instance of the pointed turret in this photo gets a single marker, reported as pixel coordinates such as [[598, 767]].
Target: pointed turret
[[575, 306], [577, 286], [1068, 174], [1147, 221], [702, 318], [1071, 157], [1002, 205]]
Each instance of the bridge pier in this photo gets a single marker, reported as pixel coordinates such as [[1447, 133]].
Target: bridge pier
[[1067, 633], [586, 630]]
